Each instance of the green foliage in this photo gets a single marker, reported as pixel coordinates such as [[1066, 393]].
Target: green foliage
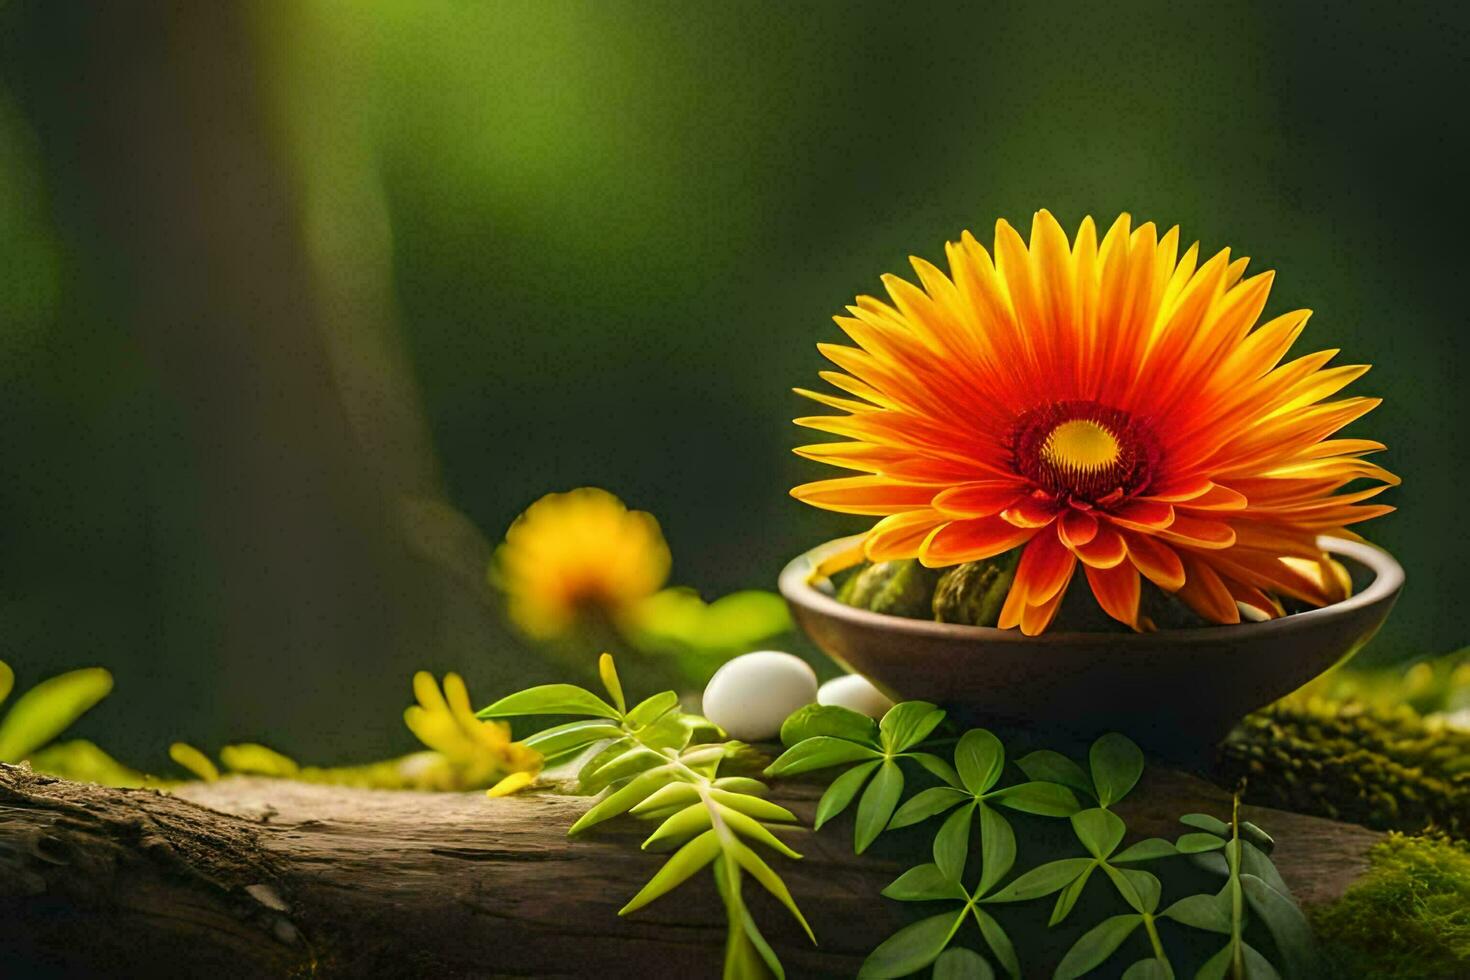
[[895, 588], [1389, 769], [646, 761], [678, 622], [1252, 910], [1408, 918]]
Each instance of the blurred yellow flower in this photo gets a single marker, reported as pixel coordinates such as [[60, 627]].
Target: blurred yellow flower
[[478, 752], [579, 556]]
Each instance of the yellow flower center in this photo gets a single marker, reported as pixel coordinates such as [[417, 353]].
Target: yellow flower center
[[1080, 445]]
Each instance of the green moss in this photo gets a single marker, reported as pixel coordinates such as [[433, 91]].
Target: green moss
[[896, 588], [973, 593], [1385, 769], [1408, 918]]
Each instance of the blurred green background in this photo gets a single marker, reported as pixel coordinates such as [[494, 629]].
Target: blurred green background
[[296, 296]]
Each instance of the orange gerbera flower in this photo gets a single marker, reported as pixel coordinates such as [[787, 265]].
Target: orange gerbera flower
[[1107, 404]]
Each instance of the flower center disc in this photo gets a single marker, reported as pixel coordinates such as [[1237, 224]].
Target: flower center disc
[[1084, 451]]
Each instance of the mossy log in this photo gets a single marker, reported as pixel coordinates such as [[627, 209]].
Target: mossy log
[[270, 878]]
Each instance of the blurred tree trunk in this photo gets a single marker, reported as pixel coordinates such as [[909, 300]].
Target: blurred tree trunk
[[186, 184]]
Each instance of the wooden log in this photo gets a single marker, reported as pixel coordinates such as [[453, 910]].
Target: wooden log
[[256, 877]]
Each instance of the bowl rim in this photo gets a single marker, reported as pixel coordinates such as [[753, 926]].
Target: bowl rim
[[1388, 578]]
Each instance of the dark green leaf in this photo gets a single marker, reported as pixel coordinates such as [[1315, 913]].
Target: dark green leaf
[[1255, 835], [1116, 765], [1257, 967], [1254, 861], [952, 843], [1040, 797], [1099, 830], [1288, 927], [1212, 861], [840, 794], [912, 948], [1069, 895], [1139, 889], [1053, 767], [979, 758], [907, 724], [1043, 880], [997, 848], [958, 963], [1217, 967], [1200, 912], [1149, 969], [1206, 823], [818, 753], [1198, 843], [1145, 850], [925, 804], [830, 720], [1096, 945], [937, 767], [998, 941], [550, 699], [923, 884], [877, 803]]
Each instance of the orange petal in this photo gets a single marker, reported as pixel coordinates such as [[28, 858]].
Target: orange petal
[[1199, 532], [1046, 565], [1105, 550], [1035, 619], [1156, 560], [1144, 513], [1116, 590], [971, 540], [1205, 593], [901, 535], [1218, 497], [1031, 511], [1077, 527], [875, 495], [983, 498]]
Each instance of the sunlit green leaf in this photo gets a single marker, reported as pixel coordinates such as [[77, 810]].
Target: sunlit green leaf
[[1053, 767], [678, 869], [875, 808], [693, 819], [46, 710], [979, 758], [958, 963], [1039, 797], [754, 829], [608, 671], [925, 804], [562, 740], [840, 794], [907, 724], [819, 753], [258, 760], [752, 806], [677, 794], [1116, 765], [1043, 880], [623, 799], [652, 708], [1096, 945], [193, 760], [7, 680], [912, 948], [85, 762], [832, 720], [751, 861], [550, 699], [1099, 830]]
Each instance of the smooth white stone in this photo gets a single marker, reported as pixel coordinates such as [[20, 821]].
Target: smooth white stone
[[750, 696], [856, 692]]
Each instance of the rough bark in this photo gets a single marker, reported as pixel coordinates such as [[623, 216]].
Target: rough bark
[[253, 877]]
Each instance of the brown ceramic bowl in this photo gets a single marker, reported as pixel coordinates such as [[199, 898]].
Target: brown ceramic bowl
[[1177, 692]]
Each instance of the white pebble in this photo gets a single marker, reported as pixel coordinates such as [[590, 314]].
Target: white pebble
[[855, 692], [750, 696]]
